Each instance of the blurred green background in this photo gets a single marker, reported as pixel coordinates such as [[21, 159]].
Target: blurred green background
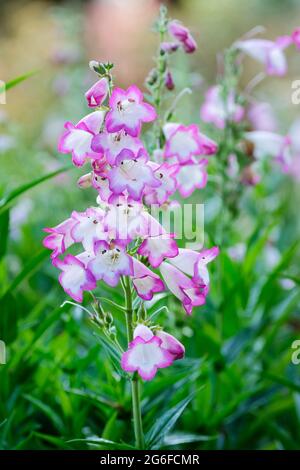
[[58, 383]]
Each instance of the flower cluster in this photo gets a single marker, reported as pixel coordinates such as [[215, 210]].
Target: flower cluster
[[270, 53], [118, 237], [250, 126]]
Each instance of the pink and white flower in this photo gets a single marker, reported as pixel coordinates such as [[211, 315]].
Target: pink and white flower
[[88, 227], [111, 261], [126, 219], [78, 139], [184, 288], [194, 263], [131, 173], [157, 248], [60, 237], [171, 344], [187, 276], [191, 176], [97, 94], [184, 142], [167, 176], [273, 145], [112, 144], [182, 35], [145, 354], [75, 278], [128, 111], [269, 53], [216, 111], [145, 281], [100, 182]]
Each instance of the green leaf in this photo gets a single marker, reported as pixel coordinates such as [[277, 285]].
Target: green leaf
[[55, 441], [28, 270], [112, 353], [102, 444], [178, 438], [267, 290], [283, 381], [51, 318], [8, 318], [15, 81], [4, 229], [163, 425], [7, 201], [47, 411]]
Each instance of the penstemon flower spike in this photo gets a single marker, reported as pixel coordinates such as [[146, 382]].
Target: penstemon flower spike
[[121, 243]]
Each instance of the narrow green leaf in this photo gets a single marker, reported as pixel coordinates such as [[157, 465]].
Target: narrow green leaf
[[55, 441], [178, 438], [102, 444], [6, 202], [15, 81], [4, 229], [29, 268], [8, 318], [163, 425], [48, 411]]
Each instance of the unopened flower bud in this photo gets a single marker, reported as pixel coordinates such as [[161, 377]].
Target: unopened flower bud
[[109, 318], [152, 77], [169, 47], [85, 181], [99, 67], [169, 82]]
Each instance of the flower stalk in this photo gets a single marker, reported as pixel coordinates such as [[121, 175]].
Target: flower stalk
[[135, 386]]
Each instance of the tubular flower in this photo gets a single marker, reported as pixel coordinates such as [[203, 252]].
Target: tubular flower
[[187, 291], [146, 354], [271, 144], [131, 173], [75, 277], [112, 144], [191, 176], [111, 261], [269, 53], [167, 176], [78, 139], [128, 111], [88, 227], [182, 35], [97, 94], [60, 237], [157, 248], [187, 276], [284, 149], [216, 111], [145, 282], [184, 142]]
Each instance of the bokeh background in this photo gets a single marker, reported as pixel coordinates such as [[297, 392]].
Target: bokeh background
[[58, 384]]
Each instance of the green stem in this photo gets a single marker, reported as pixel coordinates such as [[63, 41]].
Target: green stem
[[135, 389]]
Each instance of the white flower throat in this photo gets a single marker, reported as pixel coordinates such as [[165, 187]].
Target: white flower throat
[[112, 257]]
